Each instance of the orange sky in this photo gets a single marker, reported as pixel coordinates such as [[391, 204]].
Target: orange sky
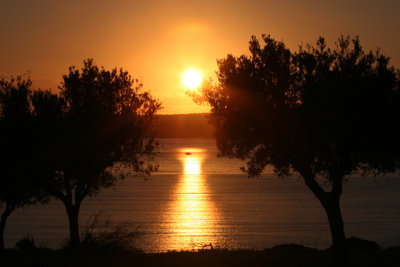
[[156, 41]]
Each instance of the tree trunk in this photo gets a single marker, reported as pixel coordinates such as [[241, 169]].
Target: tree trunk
[[332, 208], [6, 213], [331, 203], [73, 211]]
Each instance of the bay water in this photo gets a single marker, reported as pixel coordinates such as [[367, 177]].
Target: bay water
[[198, 200]]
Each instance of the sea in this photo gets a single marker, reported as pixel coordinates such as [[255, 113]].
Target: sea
[[198, 200]]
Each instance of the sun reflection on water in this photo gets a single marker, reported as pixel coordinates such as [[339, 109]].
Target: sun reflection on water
[[193, 216], [191, 166]]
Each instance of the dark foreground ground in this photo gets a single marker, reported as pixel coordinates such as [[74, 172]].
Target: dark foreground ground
[[360, 253]]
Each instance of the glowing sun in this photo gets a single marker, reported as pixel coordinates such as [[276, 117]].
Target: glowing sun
[[192, 79]]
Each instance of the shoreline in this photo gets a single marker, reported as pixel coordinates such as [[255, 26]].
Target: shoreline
[[360, 253]]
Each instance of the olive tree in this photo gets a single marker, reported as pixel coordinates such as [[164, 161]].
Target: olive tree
[[94, 132], [17, 149], [321, 113]]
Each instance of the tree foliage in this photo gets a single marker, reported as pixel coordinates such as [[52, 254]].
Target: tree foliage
[[18, 147], [94, 132], [319, 112]]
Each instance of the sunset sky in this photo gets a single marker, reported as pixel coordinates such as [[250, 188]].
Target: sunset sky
[[157, 41]]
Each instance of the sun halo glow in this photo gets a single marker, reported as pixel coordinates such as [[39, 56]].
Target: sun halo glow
[[192, 79]]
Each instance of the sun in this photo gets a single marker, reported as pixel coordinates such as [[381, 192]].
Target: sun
[[192, 79]]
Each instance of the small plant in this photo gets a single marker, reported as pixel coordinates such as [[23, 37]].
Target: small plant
[[26, 243], [107, 234]]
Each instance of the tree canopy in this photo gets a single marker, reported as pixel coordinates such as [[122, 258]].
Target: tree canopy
[[94, 132], [318, 112], [18, 147]]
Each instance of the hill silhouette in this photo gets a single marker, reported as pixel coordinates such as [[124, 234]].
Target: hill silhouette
[[183, 126]]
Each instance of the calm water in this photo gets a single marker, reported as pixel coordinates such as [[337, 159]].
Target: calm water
[[197, 199]]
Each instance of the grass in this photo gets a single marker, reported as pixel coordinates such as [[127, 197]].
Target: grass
[[91, 254], [108, 244]]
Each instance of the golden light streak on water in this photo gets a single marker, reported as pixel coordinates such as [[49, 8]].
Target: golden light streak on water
[[192, 167], [193, 215]]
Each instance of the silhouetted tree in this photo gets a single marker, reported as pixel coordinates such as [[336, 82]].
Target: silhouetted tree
[[321, 113], [17, 148], [94, 133]]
